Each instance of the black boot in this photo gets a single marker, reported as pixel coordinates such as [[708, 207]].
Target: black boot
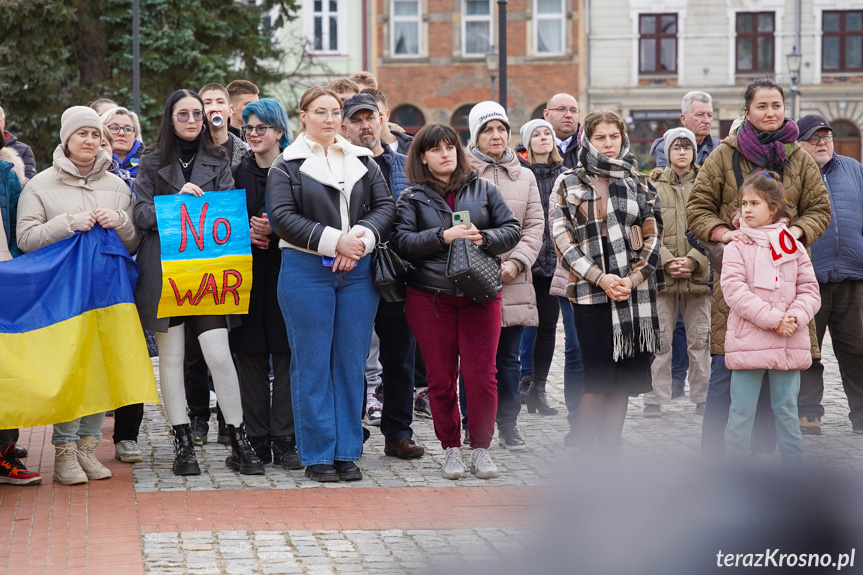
[[243, 458], [263, 448], [185, 462], [524, 386], [536, 399], [285, 453]]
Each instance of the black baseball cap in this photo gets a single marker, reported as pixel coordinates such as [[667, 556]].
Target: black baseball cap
[[359, 102], [810, 124]]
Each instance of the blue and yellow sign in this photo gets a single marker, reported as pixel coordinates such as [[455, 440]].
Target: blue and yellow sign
[[206, 254]]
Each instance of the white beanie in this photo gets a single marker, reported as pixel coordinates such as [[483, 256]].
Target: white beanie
[[482, 114], [528, 129], [675, 134], [78, 117]]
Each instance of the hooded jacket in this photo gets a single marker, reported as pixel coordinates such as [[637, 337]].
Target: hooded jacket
[[673, 193], [53, 196], [26, 154], [519, 188], [423, 215], [11, 175], [838, 255], [714, 201]]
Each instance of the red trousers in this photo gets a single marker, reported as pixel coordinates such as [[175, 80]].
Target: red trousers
[[449, 328]]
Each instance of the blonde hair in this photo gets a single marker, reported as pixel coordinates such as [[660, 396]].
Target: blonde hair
[[310, 96], [120, 111]]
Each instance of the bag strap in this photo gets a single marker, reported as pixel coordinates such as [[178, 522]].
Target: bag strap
[[735, 165]]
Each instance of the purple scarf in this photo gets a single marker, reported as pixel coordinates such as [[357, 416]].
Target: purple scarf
[[767, 150]]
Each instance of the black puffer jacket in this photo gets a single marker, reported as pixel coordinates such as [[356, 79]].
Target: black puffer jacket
[[545, 174], [423, 215]]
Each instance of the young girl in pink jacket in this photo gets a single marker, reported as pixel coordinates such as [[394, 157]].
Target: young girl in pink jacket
[[770, 286]]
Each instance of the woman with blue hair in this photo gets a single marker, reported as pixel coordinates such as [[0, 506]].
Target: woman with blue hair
[[268, 415]]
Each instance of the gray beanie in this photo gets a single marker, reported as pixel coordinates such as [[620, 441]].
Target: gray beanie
[[482, 114], [528, 129], [78, 117], [675, 134]]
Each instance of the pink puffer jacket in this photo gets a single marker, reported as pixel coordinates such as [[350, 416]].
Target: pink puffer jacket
[[750, 342]]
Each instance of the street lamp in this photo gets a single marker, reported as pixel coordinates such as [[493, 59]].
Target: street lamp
[[492, 62], [794, 60], [501, 42]]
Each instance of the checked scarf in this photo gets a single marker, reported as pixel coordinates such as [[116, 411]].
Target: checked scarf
[[635, 323]]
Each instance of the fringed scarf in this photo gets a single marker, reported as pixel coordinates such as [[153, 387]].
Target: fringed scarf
[[767, 150], [635, 323]]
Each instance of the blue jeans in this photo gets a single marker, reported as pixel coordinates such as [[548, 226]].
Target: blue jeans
[[507, 365], [745, 389], [329, 318], [573, 366], [525, 350], [72, 431], [679, 354], [716, 414]]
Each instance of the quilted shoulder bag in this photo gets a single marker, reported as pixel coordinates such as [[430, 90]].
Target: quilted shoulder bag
[[475, 273], [389, 273]]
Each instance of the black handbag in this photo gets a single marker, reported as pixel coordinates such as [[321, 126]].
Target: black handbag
[[389, 273], [475, 273]]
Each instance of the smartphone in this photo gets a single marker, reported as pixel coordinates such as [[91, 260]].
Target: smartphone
[[327, 262], [461, 219]]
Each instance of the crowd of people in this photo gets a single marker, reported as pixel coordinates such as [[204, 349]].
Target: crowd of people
[[724, 266]]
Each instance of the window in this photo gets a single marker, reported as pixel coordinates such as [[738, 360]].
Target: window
[[755, 42], [476, 27], [642, 134], [459, 122], [410, 118], [842, 41], [405, 32], [325, 26], [657, 43], [538, 112], [549, 19]]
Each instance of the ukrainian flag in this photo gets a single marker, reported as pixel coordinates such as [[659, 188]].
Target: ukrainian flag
[[71, 342]]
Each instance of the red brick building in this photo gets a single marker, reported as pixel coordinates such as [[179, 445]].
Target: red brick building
[[430, 56]]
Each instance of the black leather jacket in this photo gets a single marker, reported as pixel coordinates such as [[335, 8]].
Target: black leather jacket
[[423, 215], [299, 207]]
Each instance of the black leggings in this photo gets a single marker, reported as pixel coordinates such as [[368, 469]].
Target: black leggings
[[549, 311]]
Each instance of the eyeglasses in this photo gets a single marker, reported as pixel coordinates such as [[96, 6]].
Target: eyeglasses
[[324, 114], [562, 110], [115, 129], [184, 116], [259, 130], [814, 140], [678, 149]]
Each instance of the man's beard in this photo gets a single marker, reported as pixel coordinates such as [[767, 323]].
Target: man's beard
[[368, 141]]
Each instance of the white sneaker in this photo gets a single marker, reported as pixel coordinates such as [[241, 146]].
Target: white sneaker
[[374, 410], [481, 464], [213, 400], [453, 466], [128, 451]]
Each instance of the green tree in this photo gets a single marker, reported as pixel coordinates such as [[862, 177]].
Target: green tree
[[55, 54]]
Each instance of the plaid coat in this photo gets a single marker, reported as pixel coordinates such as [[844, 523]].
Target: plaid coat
[[577, 233]]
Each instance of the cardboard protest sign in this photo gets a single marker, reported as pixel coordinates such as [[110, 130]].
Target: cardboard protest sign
[[206, 254]]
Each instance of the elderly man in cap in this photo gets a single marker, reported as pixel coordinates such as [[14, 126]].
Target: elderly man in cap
[[362, 124], [838, 260]]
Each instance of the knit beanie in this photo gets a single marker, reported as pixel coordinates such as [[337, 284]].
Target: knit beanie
[[482, 114], [78, 117], [675, 134], [528, 129]]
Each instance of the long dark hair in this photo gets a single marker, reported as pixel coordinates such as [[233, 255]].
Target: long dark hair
[[166, 140], [428, 137]]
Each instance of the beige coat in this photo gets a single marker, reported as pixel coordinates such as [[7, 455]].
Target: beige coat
[[522, 195], [714, 201], [51, 198], [673, 193]]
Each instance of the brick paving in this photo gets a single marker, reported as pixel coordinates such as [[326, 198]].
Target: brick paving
[[401, 518]]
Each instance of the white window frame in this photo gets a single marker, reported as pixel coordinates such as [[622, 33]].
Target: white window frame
[[309, 26], [537, 17], [465, 19], [418, 19]]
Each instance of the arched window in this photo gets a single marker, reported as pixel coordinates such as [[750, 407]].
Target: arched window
[[537, 112], [410, 118], [846, 138], [459, 122]]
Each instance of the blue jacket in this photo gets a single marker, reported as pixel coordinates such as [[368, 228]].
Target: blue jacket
[[838, 254], [398, 179], [708, 145], [132, 159], [10, 190]]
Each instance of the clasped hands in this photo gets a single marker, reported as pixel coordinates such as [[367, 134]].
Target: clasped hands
[[680, 268], [787, 326], [107, 218], [616, 287], [349, 249]]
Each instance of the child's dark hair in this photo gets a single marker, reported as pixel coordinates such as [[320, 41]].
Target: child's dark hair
[[768, 185]]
